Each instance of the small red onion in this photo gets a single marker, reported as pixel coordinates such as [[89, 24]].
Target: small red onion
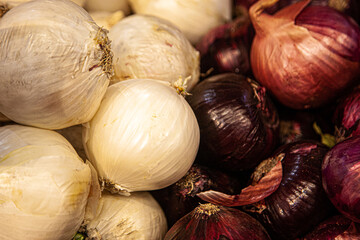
[[300, 202], [226, 48], [347, 115], [238, 122], [209, 221], [341, 177], [335, 227], [306, 56]]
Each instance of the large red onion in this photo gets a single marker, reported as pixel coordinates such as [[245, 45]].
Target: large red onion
[[305, 55], [238, 122], [341, 177], [210, 222], [300, 202]]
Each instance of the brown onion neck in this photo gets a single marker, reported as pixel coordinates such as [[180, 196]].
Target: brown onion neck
[[264, 23]]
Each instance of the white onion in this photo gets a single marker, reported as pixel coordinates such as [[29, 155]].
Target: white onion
[[55, 64], [135, 217], [13, 3], [150, 47], [107, 6], [44, 185], [106, 19], [193, 18], [144, 136]]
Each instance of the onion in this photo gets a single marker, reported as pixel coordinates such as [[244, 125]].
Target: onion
[[209, 221], [151, 47], [181, 198], [305, 56], [346, 116], [107, 6], [340, 177], [138, 216], [300, 202], [44, 185], [193, 18], [238, 122], [336, 227], [55, 64], [144, 136], [106, 19]]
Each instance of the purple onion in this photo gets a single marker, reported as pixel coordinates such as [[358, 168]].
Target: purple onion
[[210, 222], [300, 202], [180, 198], [335, 227], [341, 177], [347, 115], [238, 122]]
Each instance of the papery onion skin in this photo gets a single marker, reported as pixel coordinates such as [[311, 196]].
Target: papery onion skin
[[137, 216], [180, 198], [300, 202], [341, 177], [238, 127], [151, 47], [209, 221], [305, 56], [144, 136], [346, 116], [44, 185], [55, 64]]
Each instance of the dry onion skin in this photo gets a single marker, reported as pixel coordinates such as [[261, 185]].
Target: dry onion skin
[[144, 136], [150, 47], [13, 3], [44, 185], [55, 64], [135, 217], [193, 18]]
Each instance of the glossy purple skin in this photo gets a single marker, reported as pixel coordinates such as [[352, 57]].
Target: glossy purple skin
[[227, 224], [300, 203], [238, 125], [341, 177], [347, 115]]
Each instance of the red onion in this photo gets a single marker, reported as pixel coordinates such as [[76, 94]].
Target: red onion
[[209, 221], [181, 198], [226, 48], [238, 122], [341, 177], [347, 115], [335, 227], [304, 55], [300, 202]]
